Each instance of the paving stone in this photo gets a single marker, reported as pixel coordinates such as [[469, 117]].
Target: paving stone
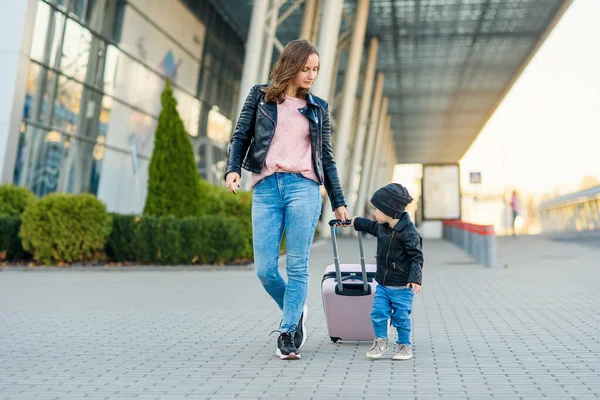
[[159, 333]]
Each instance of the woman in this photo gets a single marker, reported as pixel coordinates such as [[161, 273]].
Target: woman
[[283, 136]]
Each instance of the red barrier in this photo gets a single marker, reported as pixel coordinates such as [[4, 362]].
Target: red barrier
[[450, 222], [467, 226], [481, 245], [487, 230]]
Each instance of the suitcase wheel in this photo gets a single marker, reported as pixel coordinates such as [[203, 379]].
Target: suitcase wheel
[[335, 339]]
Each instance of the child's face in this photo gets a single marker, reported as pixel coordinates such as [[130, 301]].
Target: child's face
[[380, 217]]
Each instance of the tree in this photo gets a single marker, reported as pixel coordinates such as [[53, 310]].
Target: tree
[[173, 182]]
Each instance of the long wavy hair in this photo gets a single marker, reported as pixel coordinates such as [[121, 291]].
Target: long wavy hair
[[291, 61]]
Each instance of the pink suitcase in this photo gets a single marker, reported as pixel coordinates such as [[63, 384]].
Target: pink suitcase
[[348, 291]]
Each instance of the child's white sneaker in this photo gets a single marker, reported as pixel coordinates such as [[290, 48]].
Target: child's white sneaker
[[379, 347], [402, 352]]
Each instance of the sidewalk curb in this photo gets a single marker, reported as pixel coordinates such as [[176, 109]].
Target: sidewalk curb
[[125, 268]]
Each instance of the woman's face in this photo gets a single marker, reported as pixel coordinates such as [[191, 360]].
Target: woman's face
[[308, 74]]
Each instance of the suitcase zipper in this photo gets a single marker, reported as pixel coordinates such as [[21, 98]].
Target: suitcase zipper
[[387, 256]]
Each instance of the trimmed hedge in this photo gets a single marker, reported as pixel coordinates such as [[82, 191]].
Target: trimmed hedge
[[63, 228], [221, 234], [11, 247], [175, 241], [14, 199], [218, 201], [121, 244], [153, 240]]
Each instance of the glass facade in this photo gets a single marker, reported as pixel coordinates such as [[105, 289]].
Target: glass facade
[[221, 71], [97, 69]]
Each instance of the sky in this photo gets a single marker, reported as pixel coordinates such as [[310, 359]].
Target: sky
[[545, 136]]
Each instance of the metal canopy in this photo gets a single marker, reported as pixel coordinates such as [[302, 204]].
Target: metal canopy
[[448, 63]]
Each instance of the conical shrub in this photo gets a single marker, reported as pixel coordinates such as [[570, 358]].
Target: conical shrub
[[173, 185]]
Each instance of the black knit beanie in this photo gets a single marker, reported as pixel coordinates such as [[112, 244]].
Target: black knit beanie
[[391, 199]]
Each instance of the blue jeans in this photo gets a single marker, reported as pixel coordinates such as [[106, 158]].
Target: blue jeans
[[400, 302], [292, 202]]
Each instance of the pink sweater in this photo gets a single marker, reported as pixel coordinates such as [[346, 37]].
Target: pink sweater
[[290, 150]]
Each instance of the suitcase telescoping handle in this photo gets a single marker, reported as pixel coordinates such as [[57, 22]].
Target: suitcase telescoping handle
[[336, 259]]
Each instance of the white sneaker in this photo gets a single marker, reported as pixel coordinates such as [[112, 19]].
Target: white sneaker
[[402, 352], [379, 347]]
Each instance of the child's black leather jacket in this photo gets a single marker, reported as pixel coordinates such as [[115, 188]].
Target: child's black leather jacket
[[399, 251]]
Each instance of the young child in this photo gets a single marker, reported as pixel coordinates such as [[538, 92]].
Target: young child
[[399, 264]]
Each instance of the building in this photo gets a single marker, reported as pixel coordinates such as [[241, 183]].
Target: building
[[408, 81], [87, 94]]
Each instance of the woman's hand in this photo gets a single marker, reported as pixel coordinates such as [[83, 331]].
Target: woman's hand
[[233, 181], [341, 213], [351, 224]]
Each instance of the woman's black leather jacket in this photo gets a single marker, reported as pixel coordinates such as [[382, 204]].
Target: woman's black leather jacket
[[255, 130]]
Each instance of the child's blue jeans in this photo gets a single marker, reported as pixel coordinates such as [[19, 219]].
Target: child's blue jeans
[[292, 202], [400, 302]]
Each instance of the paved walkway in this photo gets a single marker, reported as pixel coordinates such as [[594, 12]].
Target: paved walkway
[[529, 330]]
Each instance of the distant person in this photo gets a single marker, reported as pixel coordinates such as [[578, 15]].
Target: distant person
[[399, 265], [515, 206]]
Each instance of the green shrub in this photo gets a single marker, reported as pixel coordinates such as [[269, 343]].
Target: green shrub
[[219, 201], [63, 228], [121, 245], [14, 199], [175, 241], [204, 240], [173, 188], [11, 247]]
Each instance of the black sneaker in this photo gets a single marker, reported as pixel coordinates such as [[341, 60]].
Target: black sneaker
[[300, 334], [286, 349]]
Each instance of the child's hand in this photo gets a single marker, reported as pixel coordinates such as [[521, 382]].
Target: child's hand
[[415, 287]]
